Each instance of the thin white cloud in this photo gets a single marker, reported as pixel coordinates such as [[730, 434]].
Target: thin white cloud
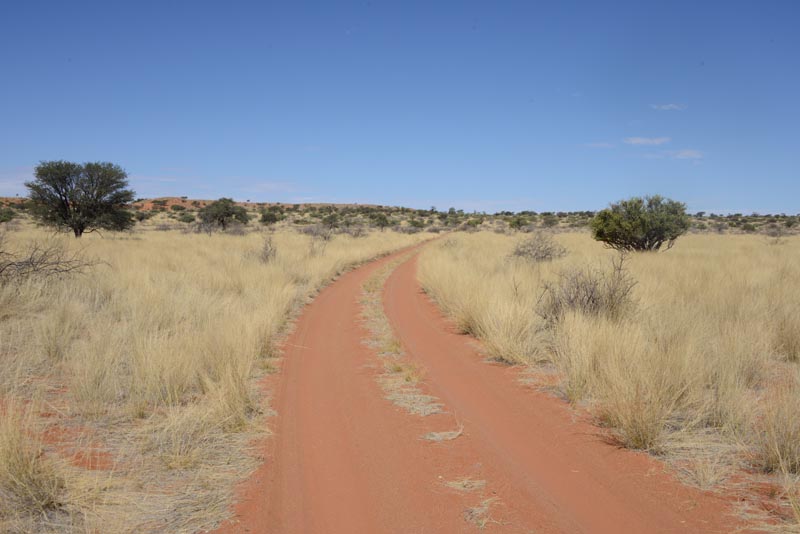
[[687, 153], [668, 107], [599, 145], [646, 141]]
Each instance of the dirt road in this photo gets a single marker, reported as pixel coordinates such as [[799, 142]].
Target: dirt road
[[345, 460]]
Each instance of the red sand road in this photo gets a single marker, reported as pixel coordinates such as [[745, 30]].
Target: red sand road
[[533, 446], [345, 460], [342, 459]]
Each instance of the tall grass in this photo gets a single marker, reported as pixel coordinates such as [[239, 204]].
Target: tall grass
[[706, 354], [153, 353]]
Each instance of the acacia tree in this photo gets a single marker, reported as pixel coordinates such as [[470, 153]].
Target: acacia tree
[[380, 220], [223, 212], [81, 198], [641, 223]]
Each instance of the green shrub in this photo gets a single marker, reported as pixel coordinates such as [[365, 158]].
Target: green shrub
[[641, 223], [223, 212], [517, 222], [186, 217], [6, 214], [549, 220]]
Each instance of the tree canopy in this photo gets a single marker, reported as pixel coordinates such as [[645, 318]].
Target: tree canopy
[[223, 212], [641, 223], [81, 198]]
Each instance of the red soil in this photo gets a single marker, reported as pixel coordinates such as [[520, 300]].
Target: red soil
[[74, 444], [533, 446], [343, 459]]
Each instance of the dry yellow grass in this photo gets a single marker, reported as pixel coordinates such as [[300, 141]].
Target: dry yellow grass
[[151, 353], [703, 368], [400, 379]]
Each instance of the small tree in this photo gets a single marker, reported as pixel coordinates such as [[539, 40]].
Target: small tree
[[223, 212], [380, 220], [82, 198], [269, 217], [517, 222], [641, 223], [550, 220], [331, 221]]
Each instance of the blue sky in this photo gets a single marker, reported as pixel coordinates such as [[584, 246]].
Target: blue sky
[[484, 105]]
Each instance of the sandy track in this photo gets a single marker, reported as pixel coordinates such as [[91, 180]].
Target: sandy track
[[345, 460], [555, 472]]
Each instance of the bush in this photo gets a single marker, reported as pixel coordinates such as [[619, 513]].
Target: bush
[[355, 231], [641, 223], [187, 217], [380, 220], [593, 292], [177, 207], [41, 260], [6, 214], [549, 221], [517, 222], [223, 212], [540, 247], [317, 231], [269, 217]]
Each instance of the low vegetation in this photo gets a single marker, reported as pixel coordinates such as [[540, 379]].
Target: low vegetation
[[691, 355], [128, 392], [128, 389]]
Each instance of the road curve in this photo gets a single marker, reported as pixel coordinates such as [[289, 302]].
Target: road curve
[[342, 459], [534, 450]]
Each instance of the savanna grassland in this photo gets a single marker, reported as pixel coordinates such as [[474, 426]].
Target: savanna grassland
[[692, 354], [129, 394]]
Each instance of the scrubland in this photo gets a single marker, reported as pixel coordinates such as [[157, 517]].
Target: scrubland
[[128, 392], [692, 354]]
